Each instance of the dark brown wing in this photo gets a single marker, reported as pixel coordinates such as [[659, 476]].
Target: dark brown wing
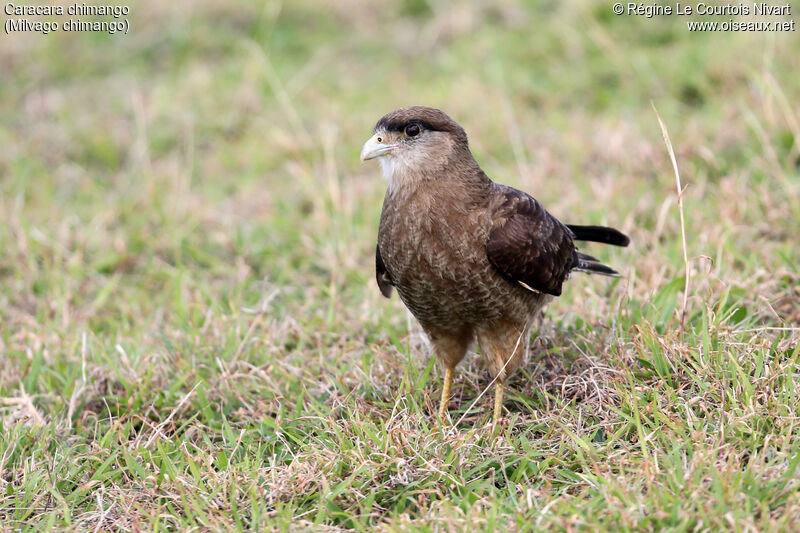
[[382, 275], [528, 245]]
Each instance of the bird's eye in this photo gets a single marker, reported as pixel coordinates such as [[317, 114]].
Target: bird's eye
[[380, 140], [412, 130]]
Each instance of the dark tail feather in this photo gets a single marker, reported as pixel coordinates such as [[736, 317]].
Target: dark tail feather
[[590, 265], [599, 234]]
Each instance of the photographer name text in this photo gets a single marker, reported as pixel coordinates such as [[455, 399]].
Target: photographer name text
[[702, 8]]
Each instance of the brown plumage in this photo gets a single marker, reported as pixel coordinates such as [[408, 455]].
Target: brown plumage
[[472, 259]]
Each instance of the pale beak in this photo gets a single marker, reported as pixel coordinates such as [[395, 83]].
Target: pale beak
[[374, 148]]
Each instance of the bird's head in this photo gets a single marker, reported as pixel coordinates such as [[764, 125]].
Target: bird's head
[[414, 143]]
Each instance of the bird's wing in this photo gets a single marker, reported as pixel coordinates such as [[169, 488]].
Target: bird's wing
[[527, 244], [382, 275]]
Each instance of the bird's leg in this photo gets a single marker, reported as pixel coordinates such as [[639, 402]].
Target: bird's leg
[[504, 344], [450, 348], [498, 402], [448, 380]]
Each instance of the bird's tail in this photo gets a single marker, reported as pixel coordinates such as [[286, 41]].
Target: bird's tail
[[590, 265], [599, 234]]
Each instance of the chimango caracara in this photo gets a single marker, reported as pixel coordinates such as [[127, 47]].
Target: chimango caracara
[[472, 259]]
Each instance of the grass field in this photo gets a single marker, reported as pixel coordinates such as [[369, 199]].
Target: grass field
[[191, 333]]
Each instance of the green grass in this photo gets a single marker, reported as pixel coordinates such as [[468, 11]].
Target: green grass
[[190, 332]]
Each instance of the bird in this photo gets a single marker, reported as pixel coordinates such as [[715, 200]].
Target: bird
[[472, 259]]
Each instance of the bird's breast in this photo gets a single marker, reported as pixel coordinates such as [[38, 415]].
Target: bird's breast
[[426, 238], [436, 257]]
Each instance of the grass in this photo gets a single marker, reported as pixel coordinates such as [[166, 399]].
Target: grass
[[191, 334]]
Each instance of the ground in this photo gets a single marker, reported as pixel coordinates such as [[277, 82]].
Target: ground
[[191, 333]]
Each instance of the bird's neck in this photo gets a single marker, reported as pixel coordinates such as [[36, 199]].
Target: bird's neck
[[457, 176], [397, 175]]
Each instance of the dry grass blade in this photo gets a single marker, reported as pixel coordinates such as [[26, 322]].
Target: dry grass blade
[[21, 409], [680, 190]]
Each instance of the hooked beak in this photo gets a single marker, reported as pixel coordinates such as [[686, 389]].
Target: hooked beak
[[374, 148]]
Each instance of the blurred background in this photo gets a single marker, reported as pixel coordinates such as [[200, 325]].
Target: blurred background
[[217, 143], [185, 203]]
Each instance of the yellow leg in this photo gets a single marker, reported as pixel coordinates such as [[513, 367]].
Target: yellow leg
[[448, 380], [498, 402]]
